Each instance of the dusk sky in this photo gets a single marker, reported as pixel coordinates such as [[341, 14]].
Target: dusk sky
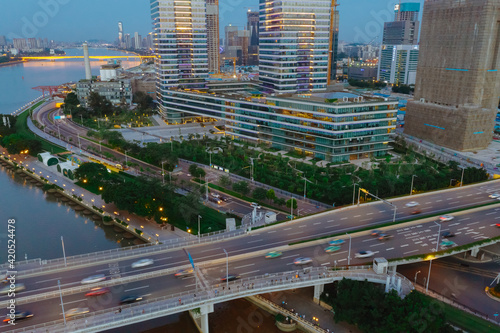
[[78, 20]]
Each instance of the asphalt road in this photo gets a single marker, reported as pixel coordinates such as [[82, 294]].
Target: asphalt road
[[408, 240]]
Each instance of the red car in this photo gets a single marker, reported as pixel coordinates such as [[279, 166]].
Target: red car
[[97, 292]]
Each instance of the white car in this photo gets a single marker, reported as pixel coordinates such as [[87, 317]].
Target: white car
[[446, 218], [364, 254], [94, 279], [142, 263], [216, 195], [302, 261], [412, 204], [495, 196], [255, 205]]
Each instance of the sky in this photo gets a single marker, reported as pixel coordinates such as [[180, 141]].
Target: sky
[[78, 20]]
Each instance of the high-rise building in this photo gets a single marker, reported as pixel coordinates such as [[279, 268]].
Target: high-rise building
[[253, 28], [20, 44], [137, 41], [294, 45], [149, 40], [120, 33], [31, 43], [180, 43], [237, 44], [127, 41], [399, 50], [456, 91], [3, 40], [213, 35], [334, 42]]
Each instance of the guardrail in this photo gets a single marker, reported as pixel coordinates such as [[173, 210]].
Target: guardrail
[[149, 309]]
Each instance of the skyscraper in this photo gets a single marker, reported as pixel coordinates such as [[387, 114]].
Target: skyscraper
[[456, 91], [180, 43], [3, 41], [253, 28], [213, 35], [294, 45], [137, 41], [334, 43], [120, 33], [399, 51]]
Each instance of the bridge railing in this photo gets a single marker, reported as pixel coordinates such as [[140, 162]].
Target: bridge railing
[[127, 314]]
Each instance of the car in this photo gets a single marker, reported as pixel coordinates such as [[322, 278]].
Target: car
[[498, 225], [224, 199], [116, 213], [142, 263], [447, 234], [495, 196], [336, 242], [130, 299], [412, 204], [184, 272], [230, 277], [364, 254], [302, 261], [446, 218], [94, 279], [216, 200], [273, 254], [18, 315], [447, 243], [76, 312], [7, 289], [255, 205], [416, 211], [383, 237], [331, 249], [376, 232], [97, 292], [216, 195], [189, 175]]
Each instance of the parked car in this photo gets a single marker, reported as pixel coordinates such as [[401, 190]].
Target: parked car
[[302, 261], [412, 204], [94, 279], [331, 249], [130, 299], [364, 254], [97, 292], [448, 234], [336, 242], [230, 277], [76, 312], [273, 254], [142, 263], [184, 272], [446, 218], [19, 315]]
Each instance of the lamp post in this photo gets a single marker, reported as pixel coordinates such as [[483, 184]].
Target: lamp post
[[64, 252], [126, 158], [349, 255], [227, 268], [305, 186], [59, 131], [100, 147], [354, 192], [199, 233], [430, 262], [162, 173], [411, 190], [62, 304], [79, 142], [416, 276], [359, 193], [462, 179]]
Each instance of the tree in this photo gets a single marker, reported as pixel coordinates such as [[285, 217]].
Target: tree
[[270, 195], [225, 181], [143, 100], [289, 203], [196, 171], [259, 193], [93, 173], [241, 187], [71, 100]]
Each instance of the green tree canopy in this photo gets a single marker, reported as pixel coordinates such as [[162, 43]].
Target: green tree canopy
[[93, 173]]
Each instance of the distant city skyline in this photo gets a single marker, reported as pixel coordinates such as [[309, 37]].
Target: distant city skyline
[[361, 21]]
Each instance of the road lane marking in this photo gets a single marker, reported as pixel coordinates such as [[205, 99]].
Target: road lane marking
[[482, 227], [405, 245], [491, 213], [292, 256], [270, 232], [410, 251], [255, 241], [136, 288], [452, 224], [80, 300], [330, 220], [287, 229], [377, 244], [439, 200], [454, 202], [302, 226], [244, 266], [366, 219], [463, 228], [344, 218], [418, 242], [295, 233], [473, 223], [326, 263], [465, 219], [369, 213], [59, 278], [317, 223], [391, 248], [357, 215], [252, 272]]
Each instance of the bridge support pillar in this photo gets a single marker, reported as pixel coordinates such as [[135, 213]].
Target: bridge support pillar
[[318, 290], [474, 251], [204, 311]]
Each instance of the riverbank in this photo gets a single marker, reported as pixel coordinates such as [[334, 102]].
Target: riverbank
[[5, 64]]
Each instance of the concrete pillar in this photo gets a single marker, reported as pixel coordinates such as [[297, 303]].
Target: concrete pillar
[[474, 251], [398, 286], [318, 290], [204, 311], [392, 270], [387, 284]]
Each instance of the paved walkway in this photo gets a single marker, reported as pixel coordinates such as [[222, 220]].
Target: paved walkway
[[301, 301]]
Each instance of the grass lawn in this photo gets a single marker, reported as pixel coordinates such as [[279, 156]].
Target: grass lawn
[[22, 129]]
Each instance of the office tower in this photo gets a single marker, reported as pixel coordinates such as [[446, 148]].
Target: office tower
[[86, 59], [213, 35], [46, 43], [120, 33], [31, 43], [334, 43], [137, 41], [456, 91], [149, 40], [127, 41], [294, 45], [180, 43], [39, 43], [399, 51], [20, 44], [237, 44], [253, 28], [3, 41]]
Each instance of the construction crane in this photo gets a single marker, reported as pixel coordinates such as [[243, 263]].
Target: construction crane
[[234, 59]]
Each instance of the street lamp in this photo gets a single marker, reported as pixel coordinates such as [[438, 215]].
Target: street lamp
[[227, 268], [462, 179], [416, 276], [64, 252], [162, 173], [100, 147], [349, 255], [411, 190], [62, 304], [199, 234], [430, 262], [354, 192]]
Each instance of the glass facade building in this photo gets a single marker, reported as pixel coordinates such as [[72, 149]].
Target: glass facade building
[[332, 126], [294, 45]]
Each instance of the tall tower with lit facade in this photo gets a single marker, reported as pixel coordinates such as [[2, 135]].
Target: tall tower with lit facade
[[294, 45], [213, 35]]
